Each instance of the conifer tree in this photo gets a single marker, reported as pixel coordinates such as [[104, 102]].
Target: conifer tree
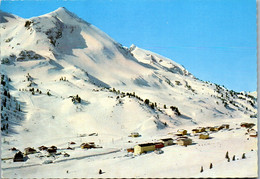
[[201, 169], [243, 156], [210, 166], [152, 106], [146, 101], [227, 155]]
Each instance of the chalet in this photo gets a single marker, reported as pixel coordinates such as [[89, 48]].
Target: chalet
[[159, 145], [13, 149], [209, 129], [143, 148], [253, 133], [195, 131], [29, 150], [167, 141], [54, 147], [250, 125], [182, 132], [130, 150], [225, 126], [218, 128], [66, 155], [134, 134], [243, 124], [247, 125], [201, 129], [51, 150], [204, 136], [87, 145], [184, 141], [42, 148]]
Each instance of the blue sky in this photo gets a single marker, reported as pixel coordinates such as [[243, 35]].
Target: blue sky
[[214, 39]]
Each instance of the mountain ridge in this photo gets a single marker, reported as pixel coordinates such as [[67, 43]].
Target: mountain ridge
[[53, 46]]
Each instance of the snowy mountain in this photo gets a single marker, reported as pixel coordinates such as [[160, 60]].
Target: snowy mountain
[[70, 79]]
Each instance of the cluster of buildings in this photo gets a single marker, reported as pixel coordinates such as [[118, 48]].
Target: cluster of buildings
[[183, 139], [154, 146], [247, 125], [147, 147], [250, 131]]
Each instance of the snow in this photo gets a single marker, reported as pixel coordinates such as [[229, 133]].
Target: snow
[[93, 64], [176, 161]]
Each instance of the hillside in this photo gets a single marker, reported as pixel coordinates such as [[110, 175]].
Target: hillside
[[64, 79]]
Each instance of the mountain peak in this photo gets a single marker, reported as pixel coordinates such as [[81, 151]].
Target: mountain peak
[[66, 16], [5, 17], [62, 10]]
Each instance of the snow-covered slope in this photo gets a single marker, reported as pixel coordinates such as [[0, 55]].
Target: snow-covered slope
[[70, 79]]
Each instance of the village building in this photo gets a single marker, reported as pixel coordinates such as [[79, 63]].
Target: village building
[[181, 132], [143, 148], [243, 124], [184, 141], [247, 125], [89, 145], [167, 141], [13, 149], [253, 133], [208, 129], [51, 150], [29, 150], [204, 136], [66, 155], [225, 126], [250, 125], [201, 129], [159, 145], [54, 147], [195, 131], [42, 148], [130, 150], [134, 134], [218, 128]]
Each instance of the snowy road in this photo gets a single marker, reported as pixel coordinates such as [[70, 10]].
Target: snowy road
[[64, 160]]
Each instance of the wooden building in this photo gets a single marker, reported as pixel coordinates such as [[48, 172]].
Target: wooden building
[[167, 141], [182, 132], [253, 133], [204, 136], [195, 131], [201, 129], [225, 126], [247, 125], [130, 150], [184, 141], [29, 150], [143, 148], [89, 145], [208, 129], [134, 134], [159, 145]]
